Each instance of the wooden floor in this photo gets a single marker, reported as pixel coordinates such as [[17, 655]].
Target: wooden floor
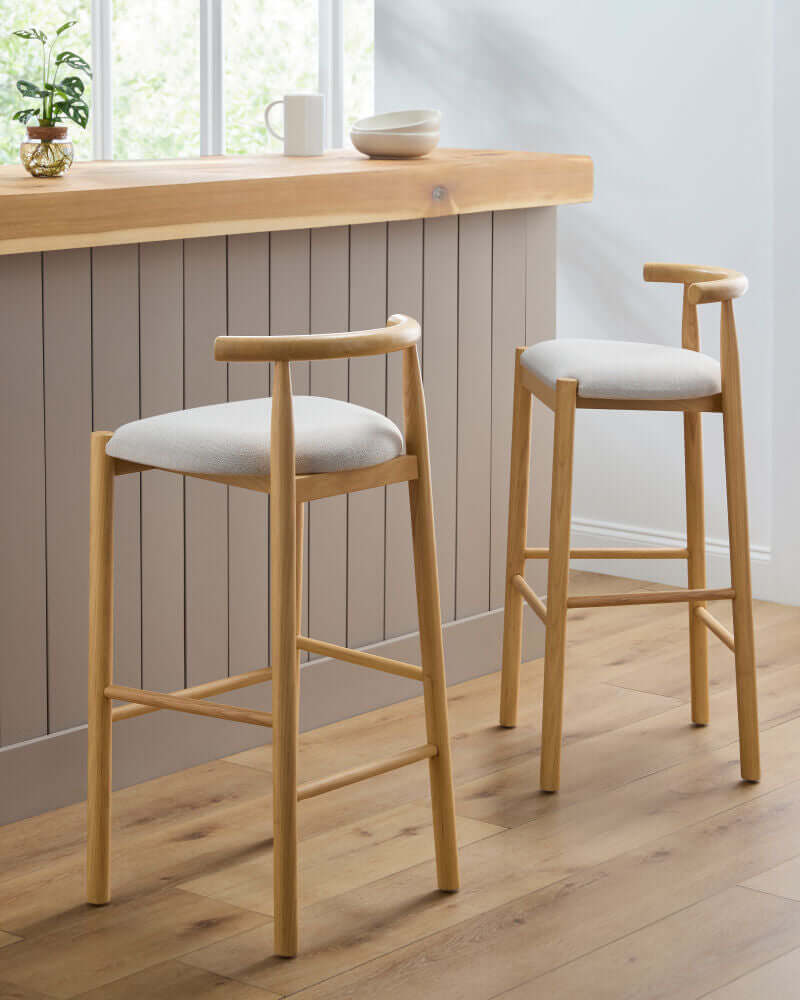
[[654, 873]]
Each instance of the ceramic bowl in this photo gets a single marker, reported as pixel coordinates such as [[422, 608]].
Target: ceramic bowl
[[394, 145], [416, 120]]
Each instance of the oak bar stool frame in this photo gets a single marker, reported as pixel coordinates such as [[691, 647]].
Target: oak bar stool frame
[[700, 285], [289, 492]]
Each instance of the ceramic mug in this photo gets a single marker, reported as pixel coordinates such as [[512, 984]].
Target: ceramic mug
[[303, 124]]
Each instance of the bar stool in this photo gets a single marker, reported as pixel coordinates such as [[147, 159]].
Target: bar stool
[[594, 374], [296, 449]]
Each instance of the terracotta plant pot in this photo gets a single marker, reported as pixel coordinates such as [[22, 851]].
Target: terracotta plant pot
[[47, 151]]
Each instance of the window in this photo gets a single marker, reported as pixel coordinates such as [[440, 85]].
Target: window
[[194, 76]]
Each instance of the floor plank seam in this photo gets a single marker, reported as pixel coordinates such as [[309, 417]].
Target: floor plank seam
[[749, 972], [651, 923], [606, 861]]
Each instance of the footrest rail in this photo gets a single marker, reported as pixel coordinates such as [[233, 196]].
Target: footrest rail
[[360, 658], [312, 788], [181, 703]]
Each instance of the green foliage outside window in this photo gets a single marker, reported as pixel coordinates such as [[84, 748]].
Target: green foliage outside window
[[271, 48]]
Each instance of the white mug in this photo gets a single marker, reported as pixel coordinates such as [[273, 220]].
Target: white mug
[[303, 124]]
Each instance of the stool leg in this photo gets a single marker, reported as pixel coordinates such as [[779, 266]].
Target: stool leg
[[696, 545], [557, 579], [430, 628], [101, 656], [285, 701], [733, 433], [515, 552], [299, 533]]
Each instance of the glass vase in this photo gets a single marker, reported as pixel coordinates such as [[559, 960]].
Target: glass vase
[[47, 151]]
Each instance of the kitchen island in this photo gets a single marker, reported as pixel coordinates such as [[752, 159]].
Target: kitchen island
[[114, 282]]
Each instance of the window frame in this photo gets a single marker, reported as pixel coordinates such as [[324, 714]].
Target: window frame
[[330, 81]]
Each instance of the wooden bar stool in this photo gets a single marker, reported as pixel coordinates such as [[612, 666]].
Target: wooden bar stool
[[593, 374], [297, 449]]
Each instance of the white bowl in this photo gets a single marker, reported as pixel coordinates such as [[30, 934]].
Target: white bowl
[[417, 120], [395, 145]]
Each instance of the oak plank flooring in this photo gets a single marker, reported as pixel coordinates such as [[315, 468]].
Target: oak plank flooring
[[175, 981], [682, 955], [654, 873], [773, 979], [782, 880], [342, 859], [113, 942]]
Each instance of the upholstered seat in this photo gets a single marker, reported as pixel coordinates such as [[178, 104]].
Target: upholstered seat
[[232, 439], [616, 369]]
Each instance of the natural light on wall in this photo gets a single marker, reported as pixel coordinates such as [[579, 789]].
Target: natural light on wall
[[166, 81]]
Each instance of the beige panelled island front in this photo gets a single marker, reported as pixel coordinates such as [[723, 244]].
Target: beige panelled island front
[[114, 283]]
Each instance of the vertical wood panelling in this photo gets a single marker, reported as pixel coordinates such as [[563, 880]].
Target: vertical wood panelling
[[290, 282], [440, 363], [327, 519], [474, 414], [248, 315], [115, 394], [403, 295], [367, 511], [161, 365], [23, 605], [68, 422], [205, 381], [508, 331], [540, 324], [120, 331]]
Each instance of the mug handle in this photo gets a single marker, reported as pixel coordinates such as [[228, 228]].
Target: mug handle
[[270, 129]]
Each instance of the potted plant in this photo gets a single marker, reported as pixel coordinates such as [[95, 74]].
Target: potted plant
[[48, 151]]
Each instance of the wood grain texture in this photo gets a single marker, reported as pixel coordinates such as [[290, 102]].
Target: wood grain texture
[[68, 422], [205, 382], [161, 373], [101, 671], [639, 858], [135, 202], [557, 584], [739, 534], [23, 599], [518, 492]]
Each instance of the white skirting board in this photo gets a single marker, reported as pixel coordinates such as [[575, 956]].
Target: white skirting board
[[49, 772], [587, 533]]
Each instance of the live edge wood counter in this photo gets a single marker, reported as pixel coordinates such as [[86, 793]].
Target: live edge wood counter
[[100, 203], [114, 283]]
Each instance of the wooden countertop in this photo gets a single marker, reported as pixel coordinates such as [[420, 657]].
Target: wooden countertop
[[105, 202]]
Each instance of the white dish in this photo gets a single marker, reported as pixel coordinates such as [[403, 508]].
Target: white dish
[[416, 120], [394, 145]]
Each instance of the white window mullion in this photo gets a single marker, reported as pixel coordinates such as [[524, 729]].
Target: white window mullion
[[212, 100], [331, 68], [102, 134]]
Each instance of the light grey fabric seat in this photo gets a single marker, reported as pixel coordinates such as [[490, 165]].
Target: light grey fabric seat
[[617, 369], [232, 439]]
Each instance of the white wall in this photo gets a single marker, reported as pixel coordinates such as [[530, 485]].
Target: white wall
[[676, 103]]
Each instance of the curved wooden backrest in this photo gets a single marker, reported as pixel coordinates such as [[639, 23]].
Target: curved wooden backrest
[[399, 333], [704, 284]]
